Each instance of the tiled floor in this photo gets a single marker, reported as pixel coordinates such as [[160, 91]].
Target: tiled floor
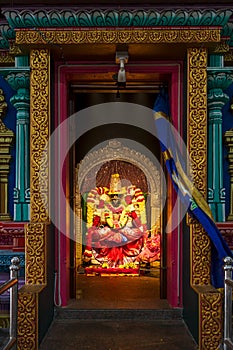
[[117, 296], [118, 335], [117, 293]]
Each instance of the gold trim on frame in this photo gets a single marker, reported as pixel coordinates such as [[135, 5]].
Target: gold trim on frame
[[36, 253], [37, 229], [39, 134], [197, 115], [119, 35], [209, 298], [210, 316], [200, 255], [197, 148], [28, 317]]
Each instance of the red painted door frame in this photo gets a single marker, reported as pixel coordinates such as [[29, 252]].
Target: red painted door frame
[[63, 77]]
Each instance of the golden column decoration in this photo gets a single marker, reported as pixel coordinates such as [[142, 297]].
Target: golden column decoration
[[228, 136], [6, 138], [209, 299], [37, 229], [197, 148]]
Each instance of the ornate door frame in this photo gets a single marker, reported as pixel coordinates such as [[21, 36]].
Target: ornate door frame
[[210, 302], [64, 76]]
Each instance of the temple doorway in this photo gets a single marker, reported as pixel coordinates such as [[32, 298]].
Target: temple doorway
[[123, 272]]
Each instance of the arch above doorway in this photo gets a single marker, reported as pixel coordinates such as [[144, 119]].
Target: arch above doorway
[[115, 150]]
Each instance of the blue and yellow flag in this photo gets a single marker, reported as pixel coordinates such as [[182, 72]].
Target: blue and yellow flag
[[194, 202]]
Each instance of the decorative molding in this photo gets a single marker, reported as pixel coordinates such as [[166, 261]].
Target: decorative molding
[[228, 57], [6, 31], [219, 78], [221, 48], [6, 58], [6, 138], [36, 250], [27, 319], [210, 326], [110, 36], [197, 115], [112, 17], [200, 256], [19, 80], [14, 50], [39, 134]]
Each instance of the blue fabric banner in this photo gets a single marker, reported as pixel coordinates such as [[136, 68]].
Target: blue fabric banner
[[189, 195]]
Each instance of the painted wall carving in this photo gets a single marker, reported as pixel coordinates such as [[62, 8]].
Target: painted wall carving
[[210, 304], [18, 18], [155, 35], [39, 134]]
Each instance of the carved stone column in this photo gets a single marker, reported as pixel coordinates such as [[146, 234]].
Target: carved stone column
[[218, 80], [229, 142], [20, 81], [6, 138]]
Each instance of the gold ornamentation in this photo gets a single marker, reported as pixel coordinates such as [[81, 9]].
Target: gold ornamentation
[[3, 104], [28, 317], [6, 138], [5, 58], [120, 35], [222, 47], [210, 306], [36, 269], [40, 114], [200, 255], [197, 115], [4, 320], [210, 326], [27, 321], [14, 49], [228, 56]]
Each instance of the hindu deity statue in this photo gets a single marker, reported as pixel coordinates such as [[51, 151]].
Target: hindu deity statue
[[116, 226]]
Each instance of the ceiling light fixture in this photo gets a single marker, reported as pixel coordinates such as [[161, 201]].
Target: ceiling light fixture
[[121, 58]]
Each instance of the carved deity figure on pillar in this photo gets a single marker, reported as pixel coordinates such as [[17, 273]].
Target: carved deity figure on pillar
[[116, 228]]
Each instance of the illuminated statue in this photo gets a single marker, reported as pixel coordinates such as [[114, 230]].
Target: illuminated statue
[[116, 225]]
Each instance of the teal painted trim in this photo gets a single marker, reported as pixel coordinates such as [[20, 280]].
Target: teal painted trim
[[218, 80], [216, 61], [19, 80], [22, 61], [7, 32], [21, 212], [75, 17], [4, 43]]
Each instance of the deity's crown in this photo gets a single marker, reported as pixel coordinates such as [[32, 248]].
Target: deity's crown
[[115, 184]]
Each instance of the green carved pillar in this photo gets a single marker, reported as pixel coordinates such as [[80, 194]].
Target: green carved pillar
[[219, 78], [6, 138], [19, 80], [229, 142]]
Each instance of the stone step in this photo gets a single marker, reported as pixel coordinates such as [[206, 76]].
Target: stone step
[[118, 314]]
